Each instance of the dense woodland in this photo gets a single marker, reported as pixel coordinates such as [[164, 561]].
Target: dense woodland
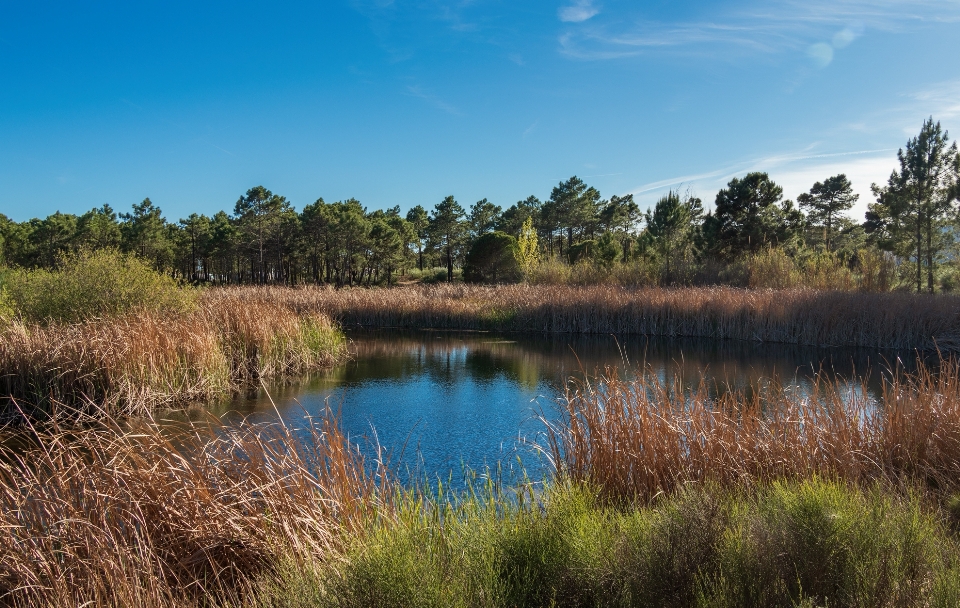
[[908, 238]]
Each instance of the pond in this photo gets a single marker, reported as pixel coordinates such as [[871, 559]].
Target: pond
[[442, 403]]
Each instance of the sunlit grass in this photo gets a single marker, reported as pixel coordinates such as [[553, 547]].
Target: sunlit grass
[[142, 360], [639, 438], [790, 316], [659, 498]]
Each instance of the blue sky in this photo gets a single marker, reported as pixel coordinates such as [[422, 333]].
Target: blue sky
[[404, 102]]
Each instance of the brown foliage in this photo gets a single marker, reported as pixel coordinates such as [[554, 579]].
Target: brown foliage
[[135, 517], [638, 438], [792, 316], [141, 361]]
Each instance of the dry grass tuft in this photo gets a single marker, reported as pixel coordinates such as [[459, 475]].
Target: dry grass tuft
[[133, 517], [141, 361], [636, 439]]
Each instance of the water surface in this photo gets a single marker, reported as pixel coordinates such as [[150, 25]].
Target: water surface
[[443, 402]]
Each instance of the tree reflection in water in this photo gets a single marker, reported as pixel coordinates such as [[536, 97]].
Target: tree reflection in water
[[443, 402]]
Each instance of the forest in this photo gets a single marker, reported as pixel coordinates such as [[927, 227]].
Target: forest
[[751, 237]]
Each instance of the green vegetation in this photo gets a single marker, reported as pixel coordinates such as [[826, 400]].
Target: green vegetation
[[908, 237], [492, 259], [811, 543], [104, 333], [94, 284]]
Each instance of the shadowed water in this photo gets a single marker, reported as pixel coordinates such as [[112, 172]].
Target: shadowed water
[[440, 402]]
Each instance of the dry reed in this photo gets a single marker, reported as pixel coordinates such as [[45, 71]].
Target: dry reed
[[142, 361], [135, 517], [792, 316], [129, 515], [635, 439]]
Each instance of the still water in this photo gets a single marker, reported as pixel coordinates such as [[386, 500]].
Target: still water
[[442, 403]]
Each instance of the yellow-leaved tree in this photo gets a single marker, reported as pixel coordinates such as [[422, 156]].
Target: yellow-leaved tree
[[528, 248]]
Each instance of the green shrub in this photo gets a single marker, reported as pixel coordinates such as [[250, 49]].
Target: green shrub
[[604, 251], [827, 544], [582, 251], [93, 284], [492, 259], [396, 568], [7, 311], [437, 275], [809, 543]]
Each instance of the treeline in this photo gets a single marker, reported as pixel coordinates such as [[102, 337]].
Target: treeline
[[909, 233]]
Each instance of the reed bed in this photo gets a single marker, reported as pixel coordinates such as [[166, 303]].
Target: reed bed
[[661, 497], [121, 516], [141, 361], [640, 438], [793, 316]]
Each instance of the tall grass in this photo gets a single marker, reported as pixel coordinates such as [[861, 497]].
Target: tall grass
[[636, 439], [144, 360], [122, 516], [812, 543], [661, 498], [792, 316]]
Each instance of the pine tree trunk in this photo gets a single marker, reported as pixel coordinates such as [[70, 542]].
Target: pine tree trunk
[[929, 255], [919, 254]]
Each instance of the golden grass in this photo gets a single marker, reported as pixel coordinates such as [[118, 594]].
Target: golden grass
[[131, 517], [793, 316], [141, 361], [635, 439]]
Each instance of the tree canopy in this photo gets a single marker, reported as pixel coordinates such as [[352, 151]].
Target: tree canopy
[[913, 222], [748, 216]]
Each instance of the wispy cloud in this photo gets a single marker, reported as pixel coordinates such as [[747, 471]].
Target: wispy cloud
[[219, 148], [942, 99], [904, 114], [529, 130], [581, 10], [670, 182], [862, 171], [795, 171], [433, 100], [819, 27]]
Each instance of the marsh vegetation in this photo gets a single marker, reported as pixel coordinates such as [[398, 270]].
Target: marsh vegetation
[[106, 335], [658, 498]]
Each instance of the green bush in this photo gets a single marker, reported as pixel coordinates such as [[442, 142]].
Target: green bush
[[809, 543], [92, 284], [431, 276], [492, 259], [582, 251]]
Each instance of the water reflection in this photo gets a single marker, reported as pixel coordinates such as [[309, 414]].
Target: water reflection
[[440, 401]]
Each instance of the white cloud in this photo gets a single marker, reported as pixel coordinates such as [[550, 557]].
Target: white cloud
[[797, 171], [794, 172], [819, 27], [844, 37], [821, 53], [580, 11], [799, 177], [941, 100]]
